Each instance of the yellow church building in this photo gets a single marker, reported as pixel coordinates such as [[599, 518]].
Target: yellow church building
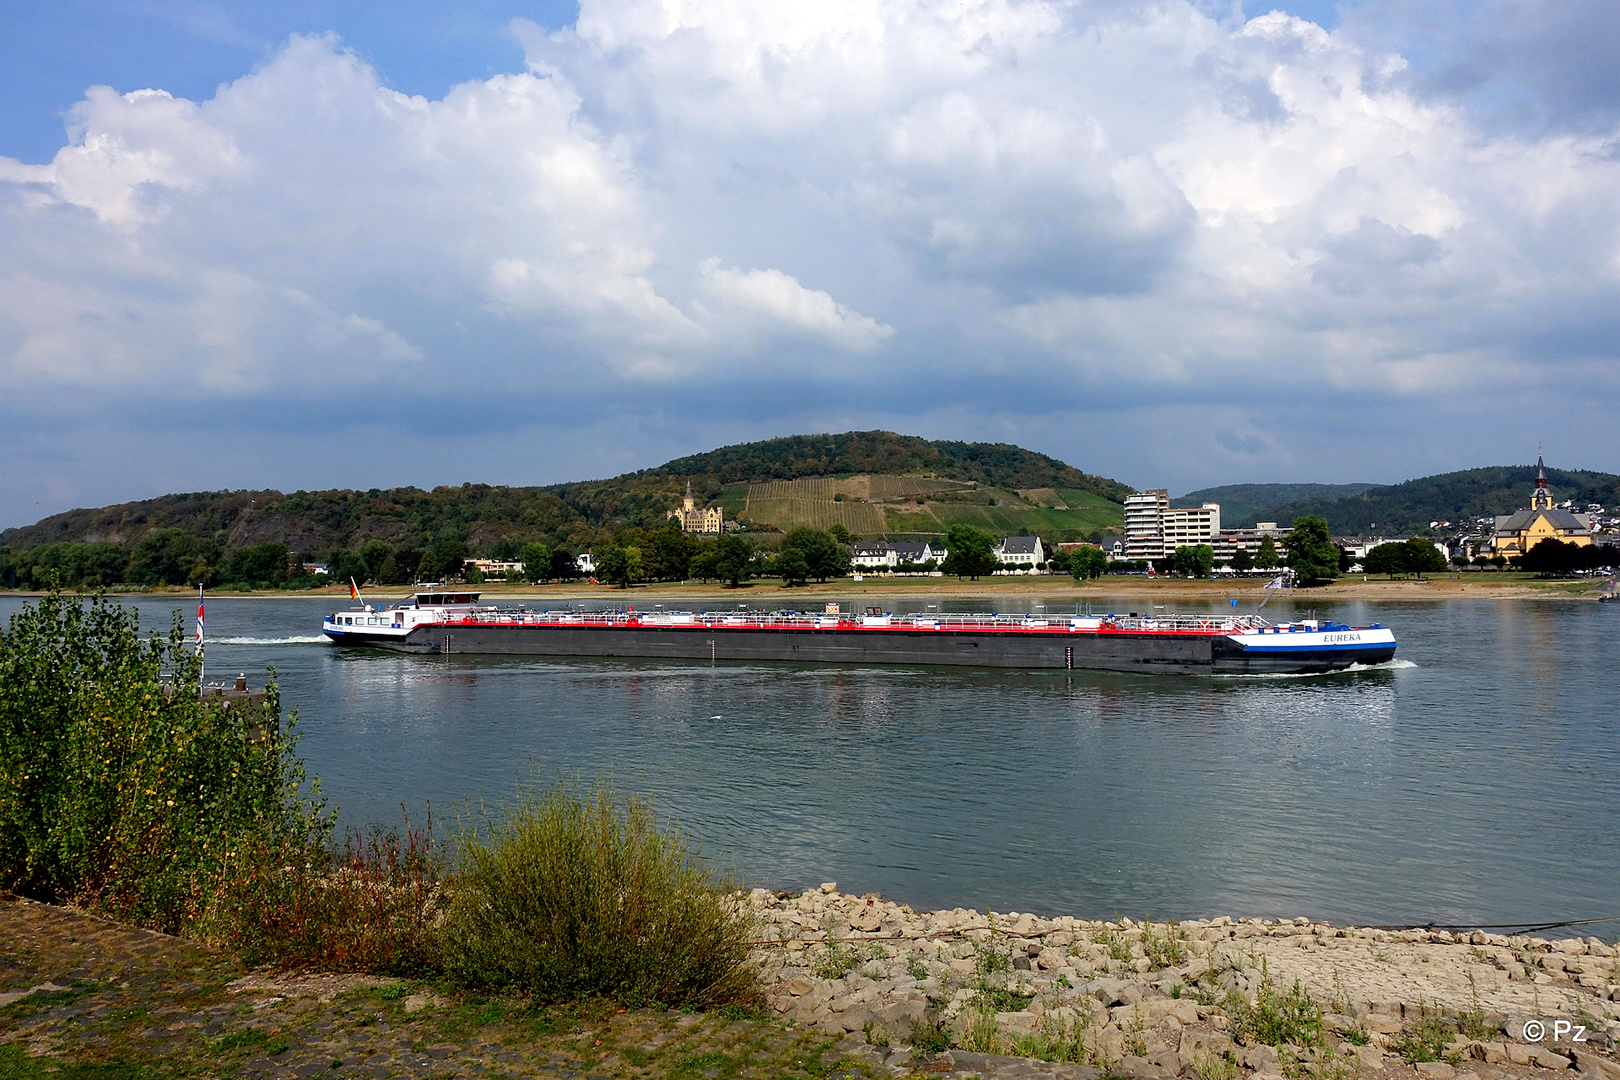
[[1517, 533]]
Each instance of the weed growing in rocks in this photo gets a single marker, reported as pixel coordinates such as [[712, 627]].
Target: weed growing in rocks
[[1165, 946], [1216, 1066], [1136, 1033], [931, 1037], [981, 1035], [991, 968], [1324, 1062], [1054, 1039], [572, 892], [835, 960], [916, 968], [1474, 1022], [1277, 1019], [1427, 1041], [1115, 941]]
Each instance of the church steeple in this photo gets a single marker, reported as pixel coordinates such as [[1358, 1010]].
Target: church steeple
[[1541, 498]]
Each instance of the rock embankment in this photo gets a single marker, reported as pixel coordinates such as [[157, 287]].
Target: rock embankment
[[1213, 998]]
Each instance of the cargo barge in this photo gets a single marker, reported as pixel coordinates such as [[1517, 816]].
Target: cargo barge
[[446, 622]]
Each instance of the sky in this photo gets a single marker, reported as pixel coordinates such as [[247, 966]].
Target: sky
[[1179, 243]]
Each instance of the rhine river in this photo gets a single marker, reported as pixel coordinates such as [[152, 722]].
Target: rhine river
[[1477, 780]]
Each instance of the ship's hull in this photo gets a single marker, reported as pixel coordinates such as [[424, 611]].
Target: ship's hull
[[1166, 652]]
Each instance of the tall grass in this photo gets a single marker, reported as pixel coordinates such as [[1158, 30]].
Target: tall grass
[[371, 905], [572, 891]]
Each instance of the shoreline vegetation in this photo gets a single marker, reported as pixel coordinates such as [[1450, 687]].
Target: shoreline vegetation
[[1508, 585], [572, 932]]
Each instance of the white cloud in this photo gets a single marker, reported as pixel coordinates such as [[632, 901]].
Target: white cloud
[[781, 299], [998, 205]]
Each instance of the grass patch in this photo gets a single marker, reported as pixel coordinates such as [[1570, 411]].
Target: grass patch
[[16, 1065], [573, 892], [238, 1040], [709, 1059], [1054, 1039]]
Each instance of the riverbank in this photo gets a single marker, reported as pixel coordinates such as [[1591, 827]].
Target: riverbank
[[1170, 999], [1047, 588], [853, 986]]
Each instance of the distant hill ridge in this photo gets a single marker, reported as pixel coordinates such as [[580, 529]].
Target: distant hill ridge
[[1248, 502], [1455, 496], [577, 513]]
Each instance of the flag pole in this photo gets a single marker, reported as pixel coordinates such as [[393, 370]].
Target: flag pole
[[199, 638]]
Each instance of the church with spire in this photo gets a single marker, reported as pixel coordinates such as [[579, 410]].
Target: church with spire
[[698, 519], [1517, 533]]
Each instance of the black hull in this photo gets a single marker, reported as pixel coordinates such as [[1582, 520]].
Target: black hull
[[1175, 654]]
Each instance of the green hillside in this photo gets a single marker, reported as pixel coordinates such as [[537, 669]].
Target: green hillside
[[1247, 502], [872, 482], [1455, 497]]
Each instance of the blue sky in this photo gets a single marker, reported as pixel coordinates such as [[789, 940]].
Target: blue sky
[[1177, 242]]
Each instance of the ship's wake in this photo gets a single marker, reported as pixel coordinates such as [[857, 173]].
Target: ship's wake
[[1353, 669], [301, 639]]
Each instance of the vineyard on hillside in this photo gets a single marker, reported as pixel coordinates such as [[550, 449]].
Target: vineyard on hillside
[[882, 505]]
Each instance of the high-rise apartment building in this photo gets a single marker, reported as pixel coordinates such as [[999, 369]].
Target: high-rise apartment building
[[1154, 529], [1144, 524]]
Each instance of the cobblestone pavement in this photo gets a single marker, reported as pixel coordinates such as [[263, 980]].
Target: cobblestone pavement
[[79, 991]]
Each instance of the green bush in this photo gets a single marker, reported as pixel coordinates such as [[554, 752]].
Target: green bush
[[120, 789], [571, 892]]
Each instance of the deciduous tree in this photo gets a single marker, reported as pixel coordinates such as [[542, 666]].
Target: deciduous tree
[[1087, 563], [969, 551], [1311, 552], [536, 558]]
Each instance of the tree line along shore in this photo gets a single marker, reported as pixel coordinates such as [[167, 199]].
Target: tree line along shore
[[775, 592]]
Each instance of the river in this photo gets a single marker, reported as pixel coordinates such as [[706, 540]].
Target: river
[[1475, 780]]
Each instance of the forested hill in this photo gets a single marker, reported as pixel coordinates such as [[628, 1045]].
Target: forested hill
[[1243, 502], [1454, 497], [575, 515], [1000, 465]]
